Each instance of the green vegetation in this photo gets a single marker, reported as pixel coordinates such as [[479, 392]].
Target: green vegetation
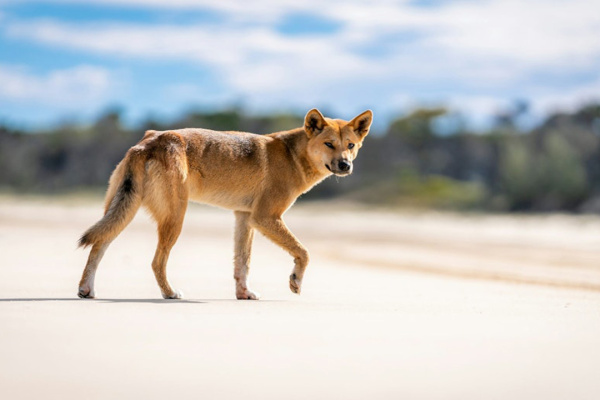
[[412, 163], [409, 189]]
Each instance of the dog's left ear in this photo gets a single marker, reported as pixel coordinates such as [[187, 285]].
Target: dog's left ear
[[362, 123], [314, 122]]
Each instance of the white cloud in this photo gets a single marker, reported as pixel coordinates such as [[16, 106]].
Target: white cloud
[[72, 87], [479, 53], [529, 34], [250, 58], [513, 30], [550, 101], [532, 33], [256, 10]]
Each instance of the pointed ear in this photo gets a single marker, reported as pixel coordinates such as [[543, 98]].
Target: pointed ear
[[362, 123], [314, 122]]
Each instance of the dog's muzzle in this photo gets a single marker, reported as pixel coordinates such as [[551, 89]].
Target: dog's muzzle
[[341, 167]]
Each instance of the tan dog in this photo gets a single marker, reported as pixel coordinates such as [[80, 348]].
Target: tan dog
[[257, 176]]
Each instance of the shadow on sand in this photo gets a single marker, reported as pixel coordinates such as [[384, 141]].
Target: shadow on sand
[[156, 301], [149, 301]]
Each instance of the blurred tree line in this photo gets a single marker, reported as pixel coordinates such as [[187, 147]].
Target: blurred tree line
[[428, 158]]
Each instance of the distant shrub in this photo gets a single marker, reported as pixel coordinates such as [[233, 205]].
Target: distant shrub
[[409, 189], [553, 177]]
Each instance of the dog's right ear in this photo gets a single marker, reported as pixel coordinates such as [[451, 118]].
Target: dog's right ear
[[314, 122]]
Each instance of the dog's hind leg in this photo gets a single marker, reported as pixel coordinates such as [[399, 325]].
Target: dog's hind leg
[[169, 228], [244, 234], [86, 285], [166, 199], [123, 199]]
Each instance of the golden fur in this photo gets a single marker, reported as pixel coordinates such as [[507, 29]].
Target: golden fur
[[257, 176]]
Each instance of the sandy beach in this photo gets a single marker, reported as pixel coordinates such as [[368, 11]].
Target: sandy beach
[[394, 306]]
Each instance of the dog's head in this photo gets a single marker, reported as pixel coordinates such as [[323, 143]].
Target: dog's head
[[334, 144]]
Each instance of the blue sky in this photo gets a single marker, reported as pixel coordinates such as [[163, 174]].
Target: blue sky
[[71, 59]]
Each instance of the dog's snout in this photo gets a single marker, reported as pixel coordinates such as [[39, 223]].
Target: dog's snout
[[344, 165]]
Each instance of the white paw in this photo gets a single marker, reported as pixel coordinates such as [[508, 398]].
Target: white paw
[[295, 283], [247, 294], [177, 294], [85, 292]]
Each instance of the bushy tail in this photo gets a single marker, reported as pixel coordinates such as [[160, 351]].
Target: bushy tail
[[123, 199]]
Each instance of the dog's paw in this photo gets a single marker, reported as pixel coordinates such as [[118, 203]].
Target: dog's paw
[[177, 294], [247, 294], [86, 292], [295, 284]]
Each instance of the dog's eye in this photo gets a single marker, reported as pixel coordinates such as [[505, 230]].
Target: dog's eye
[[328, 144], [350, 145]]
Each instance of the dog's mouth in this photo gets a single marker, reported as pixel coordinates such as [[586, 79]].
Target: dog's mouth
[[342, 173], [337, 172]]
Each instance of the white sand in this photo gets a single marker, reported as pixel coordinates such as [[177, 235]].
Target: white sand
[[429, 306]]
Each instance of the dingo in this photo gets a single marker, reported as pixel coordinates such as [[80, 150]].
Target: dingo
[[257, 176]]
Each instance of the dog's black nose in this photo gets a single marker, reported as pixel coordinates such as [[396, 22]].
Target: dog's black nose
[[344, 165]]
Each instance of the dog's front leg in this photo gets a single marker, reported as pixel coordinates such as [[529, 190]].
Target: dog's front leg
[[244, 234], [275, 229]]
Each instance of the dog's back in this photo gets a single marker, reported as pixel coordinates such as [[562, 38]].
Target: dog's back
[[225, 169]]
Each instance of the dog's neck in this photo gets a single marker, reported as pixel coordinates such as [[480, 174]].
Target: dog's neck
[[296, 141]]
